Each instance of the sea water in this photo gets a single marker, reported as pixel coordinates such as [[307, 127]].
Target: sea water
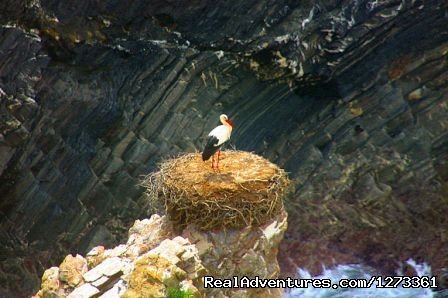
[[354, 271]]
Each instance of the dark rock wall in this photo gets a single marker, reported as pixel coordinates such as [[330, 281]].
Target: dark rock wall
[[351, 97]]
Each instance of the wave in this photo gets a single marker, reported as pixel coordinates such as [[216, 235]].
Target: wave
[[356, 271]]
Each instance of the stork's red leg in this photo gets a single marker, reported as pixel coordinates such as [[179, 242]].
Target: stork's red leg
[[217, 164], [213, 161]]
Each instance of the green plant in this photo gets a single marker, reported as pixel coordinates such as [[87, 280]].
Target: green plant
[[179, 293]]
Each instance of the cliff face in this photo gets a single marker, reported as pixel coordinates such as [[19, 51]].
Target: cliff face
[[156, 262], [349, 96]]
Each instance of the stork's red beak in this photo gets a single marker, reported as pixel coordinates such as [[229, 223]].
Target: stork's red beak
[[230, 122]]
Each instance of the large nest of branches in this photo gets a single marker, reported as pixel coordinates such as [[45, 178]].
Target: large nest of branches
[[247, 190]]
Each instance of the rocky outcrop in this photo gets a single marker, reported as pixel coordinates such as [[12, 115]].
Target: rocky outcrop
[[151, 265], [250, 252], [350, 97]]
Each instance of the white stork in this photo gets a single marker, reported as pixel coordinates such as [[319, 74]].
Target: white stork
[[216, 138]]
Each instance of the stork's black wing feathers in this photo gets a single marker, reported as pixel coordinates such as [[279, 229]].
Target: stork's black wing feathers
[[210, 147]]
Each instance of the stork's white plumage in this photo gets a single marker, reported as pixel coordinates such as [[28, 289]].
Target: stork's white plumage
[[216, 138]]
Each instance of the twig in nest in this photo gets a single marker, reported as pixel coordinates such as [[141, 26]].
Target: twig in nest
[[248, 190]]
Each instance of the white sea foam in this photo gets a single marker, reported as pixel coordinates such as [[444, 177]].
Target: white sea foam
[[354, 271]]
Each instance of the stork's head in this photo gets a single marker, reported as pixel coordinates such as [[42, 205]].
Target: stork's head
[[224, 119]]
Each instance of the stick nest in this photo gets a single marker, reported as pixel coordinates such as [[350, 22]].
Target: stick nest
[[247, 190]]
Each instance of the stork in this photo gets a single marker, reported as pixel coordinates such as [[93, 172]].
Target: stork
[[216, 138]]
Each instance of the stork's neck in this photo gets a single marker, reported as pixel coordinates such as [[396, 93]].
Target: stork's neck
[[227, 124]]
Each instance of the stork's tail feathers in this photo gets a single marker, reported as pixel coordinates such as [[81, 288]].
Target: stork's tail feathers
[[206, 155], [208, 152], [210, 148]]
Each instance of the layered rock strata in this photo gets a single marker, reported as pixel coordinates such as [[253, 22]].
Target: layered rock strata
[[350, 97], [155, 262]]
